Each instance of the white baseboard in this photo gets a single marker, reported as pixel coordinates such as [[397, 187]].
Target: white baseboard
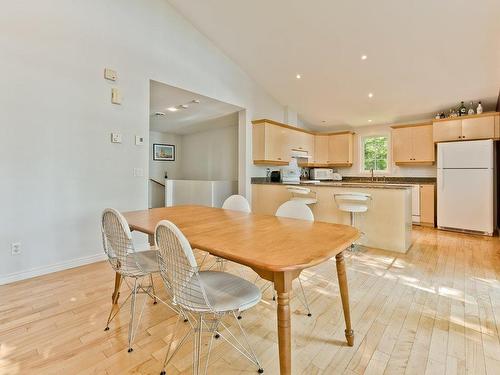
[[38, 271]]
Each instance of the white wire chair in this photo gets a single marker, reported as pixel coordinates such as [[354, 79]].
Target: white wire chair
[[237, 203], [204, 297], [119, 247]]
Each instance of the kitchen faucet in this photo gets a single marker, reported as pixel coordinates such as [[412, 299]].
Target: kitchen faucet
[[371, 171]]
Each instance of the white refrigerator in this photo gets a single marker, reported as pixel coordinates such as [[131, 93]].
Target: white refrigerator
[[466, 186]]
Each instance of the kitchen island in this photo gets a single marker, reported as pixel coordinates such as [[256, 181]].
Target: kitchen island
[[386, 225]]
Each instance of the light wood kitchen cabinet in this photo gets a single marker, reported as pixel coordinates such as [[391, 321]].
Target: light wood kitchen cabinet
[[299, 140], [478, 128], [402, 145], [413, 144], [450, 130], [270, 144], [340, 149], [321, 149], [427, 204], [466, 128]]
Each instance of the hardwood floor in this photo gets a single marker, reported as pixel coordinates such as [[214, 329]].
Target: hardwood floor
[[435, 310]]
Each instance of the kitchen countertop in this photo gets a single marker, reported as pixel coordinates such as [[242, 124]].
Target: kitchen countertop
[[360, 184]]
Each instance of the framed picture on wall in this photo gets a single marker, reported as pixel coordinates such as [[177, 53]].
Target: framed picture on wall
[[163, 152]]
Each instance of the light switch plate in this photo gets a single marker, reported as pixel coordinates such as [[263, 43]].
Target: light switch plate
[[116, 96], [110, 74], [139, 141], [116, 138], [138, 172]]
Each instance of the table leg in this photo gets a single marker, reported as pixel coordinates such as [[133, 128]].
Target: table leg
[[116, 292], [344, 294], [282, 284]]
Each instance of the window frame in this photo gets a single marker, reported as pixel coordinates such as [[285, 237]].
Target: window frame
[[362, 139]]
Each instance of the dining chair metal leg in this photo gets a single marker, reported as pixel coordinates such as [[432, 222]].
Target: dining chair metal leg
[[304, 298], [153, 288], [168, 356], [252, 352], [132, 316], [208, 353], [115, 309], [197, 345]]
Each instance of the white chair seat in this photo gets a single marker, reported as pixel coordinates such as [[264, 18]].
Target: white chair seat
[[227, 292], [147, 261], [351, 207], [305, 200]]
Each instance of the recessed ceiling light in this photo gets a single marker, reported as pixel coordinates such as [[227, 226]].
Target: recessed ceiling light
[[196, 101], [369, 120], [370, 95], [364, 57], [172, 109], [298, 76], [159, 114], [184, 106]]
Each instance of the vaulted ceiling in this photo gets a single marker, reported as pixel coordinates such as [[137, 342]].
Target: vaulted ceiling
[[423, 56]]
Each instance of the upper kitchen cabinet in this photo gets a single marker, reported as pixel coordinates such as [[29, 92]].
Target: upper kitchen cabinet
[[301, 141], [413, 144], [270, 143], [320, 149], [450, 130], [478, 128], [340, 149], [465, 128]]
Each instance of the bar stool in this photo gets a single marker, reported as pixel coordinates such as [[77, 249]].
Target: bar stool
[[302, 194], [354, 203]]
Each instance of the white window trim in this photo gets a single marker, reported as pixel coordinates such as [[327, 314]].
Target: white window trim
[[362, 138]]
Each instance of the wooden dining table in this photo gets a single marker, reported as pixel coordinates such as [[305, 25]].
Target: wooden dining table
[[276, 248]]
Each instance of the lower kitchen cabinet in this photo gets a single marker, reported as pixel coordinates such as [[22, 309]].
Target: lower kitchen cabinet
[[427, 205]]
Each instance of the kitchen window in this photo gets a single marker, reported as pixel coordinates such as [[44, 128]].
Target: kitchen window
[[374, 153]]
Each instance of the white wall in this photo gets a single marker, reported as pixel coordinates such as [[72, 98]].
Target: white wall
[[59, 169], [211, 154], [394, 170]]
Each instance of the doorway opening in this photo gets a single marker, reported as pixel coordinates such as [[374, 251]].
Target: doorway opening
[[193, 142]]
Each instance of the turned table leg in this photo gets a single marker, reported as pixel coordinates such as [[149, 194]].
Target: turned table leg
[[282, 284], [344, 294], [116, 292]]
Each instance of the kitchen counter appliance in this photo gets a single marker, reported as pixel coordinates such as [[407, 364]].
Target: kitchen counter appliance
[[324, 174], [275, 176]]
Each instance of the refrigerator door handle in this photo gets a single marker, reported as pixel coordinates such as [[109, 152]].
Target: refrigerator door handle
[[441, 178]]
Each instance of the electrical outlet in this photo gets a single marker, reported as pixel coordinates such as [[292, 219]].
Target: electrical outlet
[[15, 248]]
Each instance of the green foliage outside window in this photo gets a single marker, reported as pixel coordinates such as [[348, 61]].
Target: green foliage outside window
[[375, 153]]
